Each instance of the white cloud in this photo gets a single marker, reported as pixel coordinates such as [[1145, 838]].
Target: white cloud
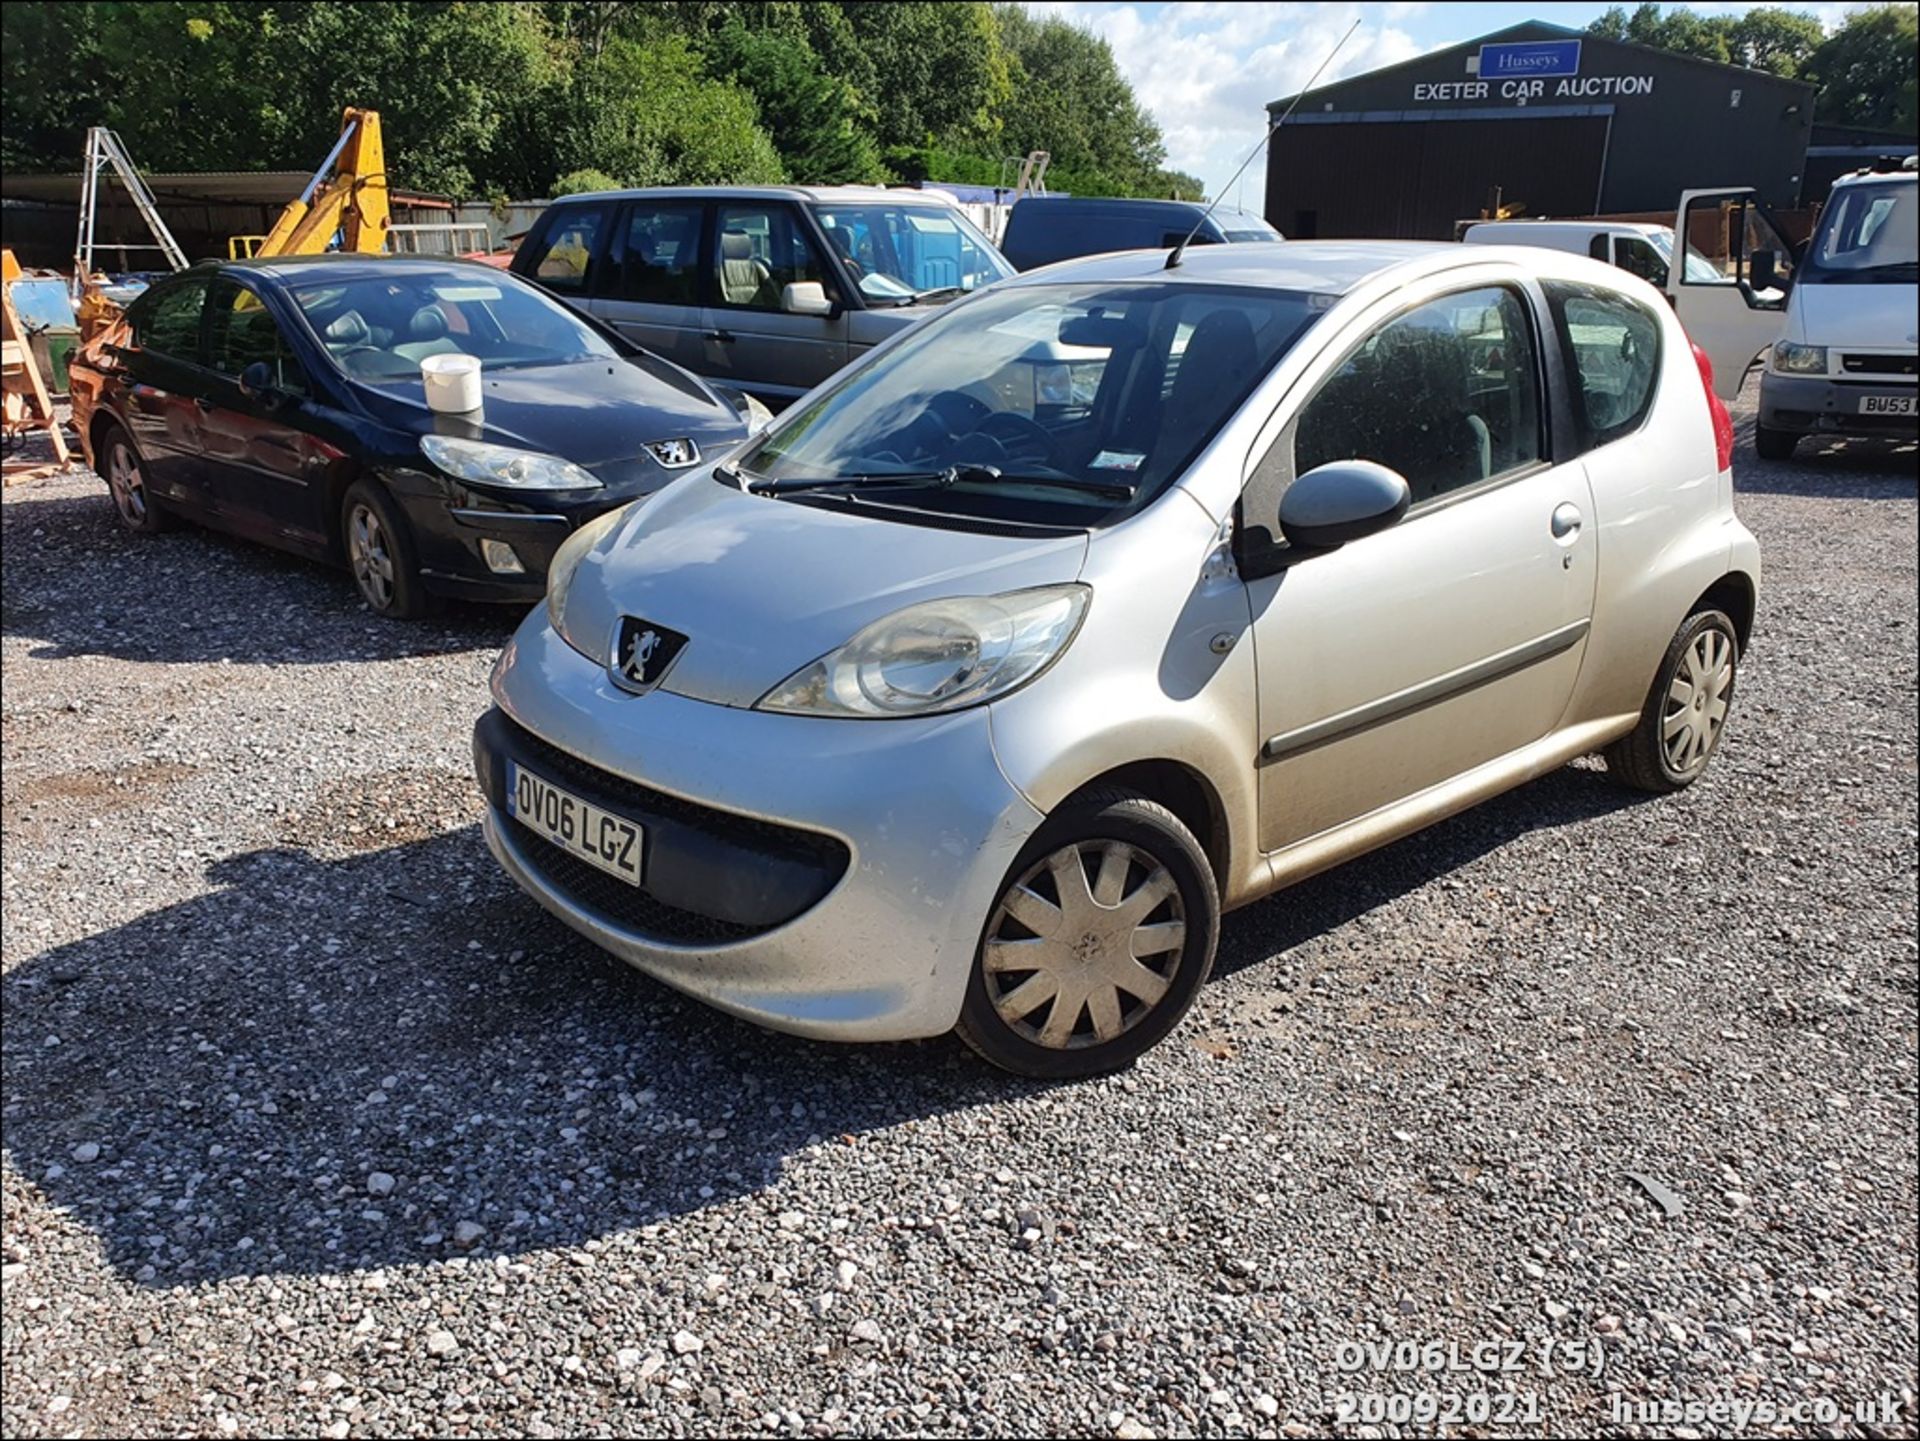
[[1206, 70]]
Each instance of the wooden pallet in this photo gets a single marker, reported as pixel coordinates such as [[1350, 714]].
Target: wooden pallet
[[28, 406]]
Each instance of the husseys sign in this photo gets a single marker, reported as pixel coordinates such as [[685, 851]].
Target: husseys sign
[[1531, 70]]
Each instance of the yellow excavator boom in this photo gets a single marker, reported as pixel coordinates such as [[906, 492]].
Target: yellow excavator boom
[[348, 193]]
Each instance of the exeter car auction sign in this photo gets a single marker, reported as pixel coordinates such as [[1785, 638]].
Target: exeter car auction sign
[[1531, 70]]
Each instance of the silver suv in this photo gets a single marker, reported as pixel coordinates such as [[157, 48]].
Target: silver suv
[[771, 288], [973, 691]]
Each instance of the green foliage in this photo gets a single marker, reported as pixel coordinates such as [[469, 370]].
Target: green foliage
[[523, 97], [581, 182], [813, 118], [1865, 70]]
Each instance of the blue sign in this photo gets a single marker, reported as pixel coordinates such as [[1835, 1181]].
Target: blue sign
[[1529, 57]]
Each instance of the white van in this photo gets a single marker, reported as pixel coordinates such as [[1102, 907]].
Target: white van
[[1642, 250], [1840, 317]]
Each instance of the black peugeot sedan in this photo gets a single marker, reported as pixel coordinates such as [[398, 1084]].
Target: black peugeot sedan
[[282, 400]]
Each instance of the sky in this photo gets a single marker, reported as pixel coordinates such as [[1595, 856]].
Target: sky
[[1207, 68]]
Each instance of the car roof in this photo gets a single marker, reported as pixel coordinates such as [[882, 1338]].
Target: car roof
[[1584, 227], [344, 265], [841, 194], [1322, 266], [1876, 177]]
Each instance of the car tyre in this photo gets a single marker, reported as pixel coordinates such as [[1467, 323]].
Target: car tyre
[[125, 473], [1686, 711], [1772, 444], [1098, 942], [380, 554]]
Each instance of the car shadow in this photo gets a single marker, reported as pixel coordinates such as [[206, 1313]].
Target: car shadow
[[328, 1064], [1828, 468], [80, 584]]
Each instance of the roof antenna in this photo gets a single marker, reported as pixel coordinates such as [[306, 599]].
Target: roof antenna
[[1173, 260]]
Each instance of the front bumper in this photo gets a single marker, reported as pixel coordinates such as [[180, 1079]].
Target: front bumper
[[1818, 404], [921, 824]]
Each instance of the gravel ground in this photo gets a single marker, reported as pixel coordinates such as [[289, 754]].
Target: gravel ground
[[313, 1125]]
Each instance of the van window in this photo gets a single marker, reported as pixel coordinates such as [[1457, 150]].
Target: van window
[[1612, 346], [563, 256], [1870, 232], [660, 253], [1447, 394], [1637, 257]]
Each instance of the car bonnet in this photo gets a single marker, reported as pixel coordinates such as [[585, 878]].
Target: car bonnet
[[762, 587]]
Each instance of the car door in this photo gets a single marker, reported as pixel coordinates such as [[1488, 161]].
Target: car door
[[1732, 309], [655, 286], [165, 377], [1453, 638], [754, 338], [262, 466]]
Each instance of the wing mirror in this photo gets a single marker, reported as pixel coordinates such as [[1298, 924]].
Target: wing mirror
[[258, 384], [1763, 271], [1341, 501], [805, 297]]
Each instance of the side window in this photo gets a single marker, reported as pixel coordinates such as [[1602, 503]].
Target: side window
[[240, 331], [660, 253], [1724, 233], [1597, 247], [169, 323], [1636, 257], [761, 250], [1447, 394], [1613, 350], [563, 260]]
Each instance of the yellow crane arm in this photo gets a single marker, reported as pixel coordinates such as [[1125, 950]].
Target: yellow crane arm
[[348, 193]]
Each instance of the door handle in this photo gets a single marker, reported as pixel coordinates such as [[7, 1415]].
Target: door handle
[[202, 404], [1566, 521], [725, 337]]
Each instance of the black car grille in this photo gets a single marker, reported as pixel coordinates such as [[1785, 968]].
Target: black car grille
[[760, 848], [621, 904], [1878, 364]]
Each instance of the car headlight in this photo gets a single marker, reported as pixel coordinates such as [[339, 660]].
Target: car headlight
[[563, 567], [940, 655], [504, 466], [1792, 359]]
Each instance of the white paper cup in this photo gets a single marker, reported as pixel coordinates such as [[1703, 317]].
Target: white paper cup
[[452, 382]]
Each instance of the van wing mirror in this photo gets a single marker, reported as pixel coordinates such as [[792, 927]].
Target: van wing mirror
[[805, 297], [1763, 270], [1342, 501]]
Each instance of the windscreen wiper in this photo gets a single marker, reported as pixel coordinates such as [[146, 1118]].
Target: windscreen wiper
[[938, 479], [920, 295]]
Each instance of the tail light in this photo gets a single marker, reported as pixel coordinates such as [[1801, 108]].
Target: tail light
[[1722, 421]]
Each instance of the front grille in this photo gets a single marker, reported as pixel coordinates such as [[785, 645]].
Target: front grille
[[620, 904], [711, 876], [1878, 364]]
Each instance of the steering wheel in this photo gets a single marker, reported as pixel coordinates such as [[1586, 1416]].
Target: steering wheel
[[1022, 439]]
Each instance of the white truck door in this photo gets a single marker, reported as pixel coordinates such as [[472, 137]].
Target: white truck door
[[1729, 279]]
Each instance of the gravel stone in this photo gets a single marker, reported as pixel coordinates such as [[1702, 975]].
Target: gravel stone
[[245, 887]]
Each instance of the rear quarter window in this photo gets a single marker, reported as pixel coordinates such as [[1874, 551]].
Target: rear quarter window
[[1612, 350]]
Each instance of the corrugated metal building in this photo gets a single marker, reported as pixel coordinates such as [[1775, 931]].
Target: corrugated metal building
[[1538, 117]]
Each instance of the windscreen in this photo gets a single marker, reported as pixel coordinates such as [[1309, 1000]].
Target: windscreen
[[1073, 404], [379, 328], [897, 252], [1868, 235]]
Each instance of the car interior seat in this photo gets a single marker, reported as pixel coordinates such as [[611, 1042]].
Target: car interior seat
[[743, 277], [1219, 361], [426, 335], [1433, 436]]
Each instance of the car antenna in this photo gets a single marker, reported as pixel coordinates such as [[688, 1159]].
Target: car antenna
[[1173, 260]]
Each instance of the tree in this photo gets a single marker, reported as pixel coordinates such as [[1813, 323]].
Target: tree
[[812, 117], [1779, 42], [938, 71], [1865, 70], [1070, 99], [581, 182]]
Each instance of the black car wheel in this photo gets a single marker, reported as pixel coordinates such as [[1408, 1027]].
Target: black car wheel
[[1686, 711], [126, 476], [380, 554]]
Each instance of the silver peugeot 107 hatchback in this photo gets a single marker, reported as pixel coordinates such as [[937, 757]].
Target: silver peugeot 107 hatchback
[[1115, 596]]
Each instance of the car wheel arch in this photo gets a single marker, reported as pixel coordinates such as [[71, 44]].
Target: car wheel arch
[[1736, 594], [1181, 789]]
